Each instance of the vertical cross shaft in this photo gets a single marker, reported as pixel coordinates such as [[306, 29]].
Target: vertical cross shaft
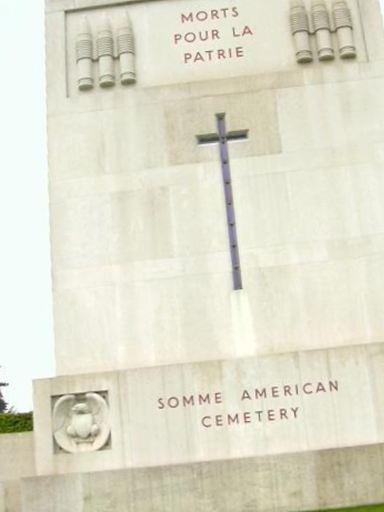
[[228, 193]]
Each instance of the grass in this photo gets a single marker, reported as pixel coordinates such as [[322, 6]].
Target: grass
[[368, 508]]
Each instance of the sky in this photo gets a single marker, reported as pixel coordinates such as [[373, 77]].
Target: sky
[[26, 337], [26, 326]]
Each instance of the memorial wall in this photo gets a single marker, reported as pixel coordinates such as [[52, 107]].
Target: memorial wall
[[217, 234]]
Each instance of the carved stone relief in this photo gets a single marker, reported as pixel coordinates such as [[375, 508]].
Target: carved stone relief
[[321, 25], [109, 44], [81, 422]]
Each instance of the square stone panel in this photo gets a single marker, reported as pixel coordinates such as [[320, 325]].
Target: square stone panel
[[141, 225], [254, 111]]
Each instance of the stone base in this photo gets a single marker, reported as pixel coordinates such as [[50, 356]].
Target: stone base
[[218, 410], [294, 482], [16, 462], [10, 496]]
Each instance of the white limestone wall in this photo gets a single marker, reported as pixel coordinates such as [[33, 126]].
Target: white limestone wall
[[140, 260], [323, 480], [17, 458], [17, 461], [270, 405]]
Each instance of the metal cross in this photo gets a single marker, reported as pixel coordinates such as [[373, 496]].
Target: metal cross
[[222, 138]]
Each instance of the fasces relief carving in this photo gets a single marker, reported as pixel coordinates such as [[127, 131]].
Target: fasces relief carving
[[99, 48], [81, 422], [327, 28]]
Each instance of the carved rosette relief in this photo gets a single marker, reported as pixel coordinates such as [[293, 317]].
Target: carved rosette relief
[[328, 29], [107, 51], [81, 422]]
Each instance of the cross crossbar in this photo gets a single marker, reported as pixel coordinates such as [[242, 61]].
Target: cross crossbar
[[213, 138]]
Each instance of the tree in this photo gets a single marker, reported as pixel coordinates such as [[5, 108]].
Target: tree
[[3, 403]]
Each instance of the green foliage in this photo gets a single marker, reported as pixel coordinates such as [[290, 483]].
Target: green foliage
[[11, 423], [368, 508], [3, 403], [372, 508]]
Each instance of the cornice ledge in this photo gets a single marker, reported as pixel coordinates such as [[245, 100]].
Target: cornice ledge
[[77, 5]]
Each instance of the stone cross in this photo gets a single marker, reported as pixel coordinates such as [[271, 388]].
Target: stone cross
[[222, 137]]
